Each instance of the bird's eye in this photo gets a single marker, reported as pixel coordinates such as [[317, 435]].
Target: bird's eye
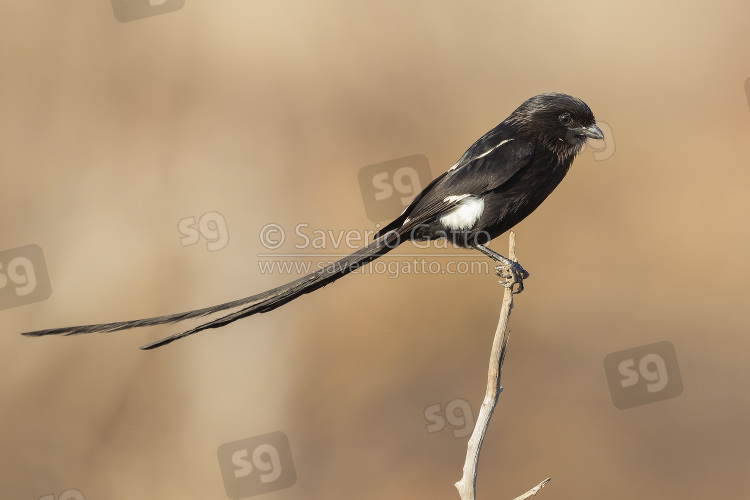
[[565, 118]]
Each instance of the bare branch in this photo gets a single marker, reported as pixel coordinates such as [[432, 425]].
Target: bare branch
[[467, 485], [533, 491]]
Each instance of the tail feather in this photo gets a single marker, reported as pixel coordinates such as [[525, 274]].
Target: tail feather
[[260, 303]]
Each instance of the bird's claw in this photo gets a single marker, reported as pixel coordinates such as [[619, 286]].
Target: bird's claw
[[512, 274]]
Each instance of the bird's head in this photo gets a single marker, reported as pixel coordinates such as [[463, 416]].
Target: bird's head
[[562, 122]]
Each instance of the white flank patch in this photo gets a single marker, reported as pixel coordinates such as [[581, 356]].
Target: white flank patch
[[464, 215]]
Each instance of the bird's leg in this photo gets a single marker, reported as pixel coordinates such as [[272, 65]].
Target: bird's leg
[[510, 271]]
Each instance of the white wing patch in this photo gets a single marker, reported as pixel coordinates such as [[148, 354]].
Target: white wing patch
[[483, 154], [464, 215], [451, 199], [491, 150]]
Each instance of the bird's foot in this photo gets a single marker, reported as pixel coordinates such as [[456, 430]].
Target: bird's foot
[[510, 270], [512, 274]]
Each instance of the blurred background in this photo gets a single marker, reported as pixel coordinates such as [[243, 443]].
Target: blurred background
[[116, 137]]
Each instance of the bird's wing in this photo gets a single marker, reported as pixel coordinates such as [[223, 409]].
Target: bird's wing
[[484, 167], [486, 170], [480, 174]]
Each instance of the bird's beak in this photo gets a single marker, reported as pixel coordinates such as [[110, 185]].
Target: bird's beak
[[592, 132]]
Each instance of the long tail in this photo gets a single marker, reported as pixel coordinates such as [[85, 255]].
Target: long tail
[[260, 303]]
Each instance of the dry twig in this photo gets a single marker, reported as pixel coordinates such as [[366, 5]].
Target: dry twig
[[467, 485]]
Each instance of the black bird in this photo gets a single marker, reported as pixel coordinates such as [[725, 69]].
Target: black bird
[[498, 181]]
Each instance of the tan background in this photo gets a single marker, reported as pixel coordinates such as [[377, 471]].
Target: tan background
[[111, 133]]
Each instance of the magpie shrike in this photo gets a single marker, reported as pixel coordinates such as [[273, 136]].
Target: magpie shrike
[[498, 181]]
